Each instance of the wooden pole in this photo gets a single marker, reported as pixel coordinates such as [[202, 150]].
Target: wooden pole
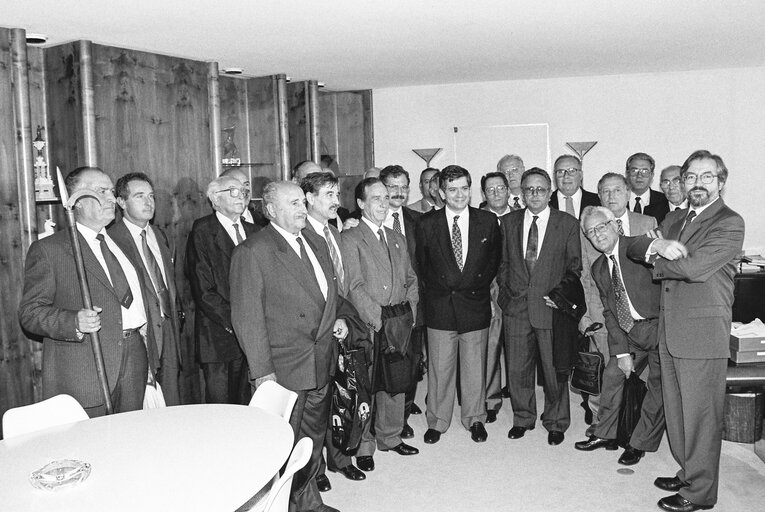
[[88, 107], [23, 115], [284, 132], [213, 92], [313, 120]]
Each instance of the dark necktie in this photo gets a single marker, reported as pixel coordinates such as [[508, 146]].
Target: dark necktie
[[457, 242], [621, 228], [688, 219], [383, 242], [531, 245], [155, 273], [623, 314], [335, 258], [239, 238], [516, 204], [397, 224], [307, 262], [117, 275], [637, 208]]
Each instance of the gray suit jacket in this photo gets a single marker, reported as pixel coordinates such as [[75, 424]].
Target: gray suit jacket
[[376, 279], [342, 290], [421, 206]]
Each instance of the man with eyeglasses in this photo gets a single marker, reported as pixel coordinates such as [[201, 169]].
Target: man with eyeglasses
[[250, 214], [570, 197], [695, 263], [51, 305], [430, 200], [495, 190], [512, 167], [402, 220], [639, 173], [208, 257], [672, 185], [630, 307], [527, 275]]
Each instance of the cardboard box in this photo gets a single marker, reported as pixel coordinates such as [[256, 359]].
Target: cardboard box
[[748, 356], [746, 344]]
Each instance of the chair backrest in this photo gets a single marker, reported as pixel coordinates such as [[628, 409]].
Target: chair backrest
[[274, 398], [54, 411], [279, 495]]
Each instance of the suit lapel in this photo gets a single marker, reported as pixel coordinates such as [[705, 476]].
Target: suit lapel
[[518, 234], [445, 241], [701, 219], [474, 239], [93, 266], [551, 236], [375, 246], [294, 265], [319, 246]]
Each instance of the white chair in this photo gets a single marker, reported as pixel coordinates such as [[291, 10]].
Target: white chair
[[278, 498], [54, 411], [274, 398]]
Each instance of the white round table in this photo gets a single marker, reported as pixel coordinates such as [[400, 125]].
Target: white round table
[[194, 457]]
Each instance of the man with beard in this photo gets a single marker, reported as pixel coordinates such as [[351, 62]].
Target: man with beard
[[639, 173], [671, 184], [696, 264], [570, 196], [429, 201]]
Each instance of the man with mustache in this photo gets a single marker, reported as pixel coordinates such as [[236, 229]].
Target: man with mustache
[[696, 265]]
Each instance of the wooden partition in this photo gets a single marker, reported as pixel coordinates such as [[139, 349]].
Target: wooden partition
[[303, 120]]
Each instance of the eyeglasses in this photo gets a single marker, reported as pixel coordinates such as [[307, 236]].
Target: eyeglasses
[[674, 181], [599, 229], [706, 178], [404, 188], [496, 190], [571, 171], [634, 171], [538, 191], [513, 170], [235, 191]]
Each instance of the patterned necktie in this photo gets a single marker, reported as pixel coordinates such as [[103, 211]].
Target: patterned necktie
[[155, 273], [623, 314], [397, 224], [621, 228], [457, 242], [531, 245], [307, 262], [516, 204], [688, 219], [637, 208], [239, 238], [570, 206], [117, 275], [335, 258]]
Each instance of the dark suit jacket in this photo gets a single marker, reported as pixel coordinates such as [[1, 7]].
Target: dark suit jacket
[[281, 319], [454, 300], [643, 292], [658, 207], [588, 199], [48, 308], [342, 290], [208, 258], [560, 259], [411, 218], [170, 353], [697, 295]]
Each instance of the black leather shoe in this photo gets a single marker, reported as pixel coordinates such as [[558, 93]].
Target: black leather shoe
[[554, 438], [350, 472], [322, 482], [587, 411], [365, 463], [491, 416], [677, 503], [631, 456], [478, 432], [402, 449], [432, 436], [669, 483], [407, 432], [415, 409], [518, 432], [506, 393], [593, 443]]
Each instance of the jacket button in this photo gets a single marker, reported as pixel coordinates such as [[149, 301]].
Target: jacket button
[[666, 289], [302, 315]]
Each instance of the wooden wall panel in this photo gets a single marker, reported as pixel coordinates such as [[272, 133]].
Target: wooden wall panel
[[263, 121], [298, 122]]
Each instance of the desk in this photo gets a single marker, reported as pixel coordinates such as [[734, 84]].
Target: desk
[[191, 457]]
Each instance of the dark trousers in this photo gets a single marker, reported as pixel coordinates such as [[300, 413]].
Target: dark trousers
[[169, 375], [227, 383], [418, 340], [644, 343], [309, 419], [127, 393]]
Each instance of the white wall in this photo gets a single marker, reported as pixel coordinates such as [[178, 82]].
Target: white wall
[[668, 115]]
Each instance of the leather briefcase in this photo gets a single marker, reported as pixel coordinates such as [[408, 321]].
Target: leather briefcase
[[587, 375]]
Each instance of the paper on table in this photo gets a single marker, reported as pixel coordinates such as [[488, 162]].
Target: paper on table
[[755, 328]]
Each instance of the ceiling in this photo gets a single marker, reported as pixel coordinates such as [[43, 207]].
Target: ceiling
[[361, 44]]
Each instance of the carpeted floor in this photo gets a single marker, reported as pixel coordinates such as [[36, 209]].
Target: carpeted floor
[[529, 475]]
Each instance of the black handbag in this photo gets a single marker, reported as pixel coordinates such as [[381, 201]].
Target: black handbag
[[587, 375], [351, 399], [632, 403], [395, 365]]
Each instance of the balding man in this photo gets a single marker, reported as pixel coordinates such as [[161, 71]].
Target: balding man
[[512, 167], [570, 197], [250, 214], [285, 307], [208, 257], [671, 183]]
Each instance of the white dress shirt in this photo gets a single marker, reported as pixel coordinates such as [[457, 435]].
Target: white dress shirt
[[576, 198], [528, 218], [319, 227], [228, 225], [388, 223], [464, 225], [633, 311], [151, 240], [292, 240], [134, 316], [625, 218], [375, 229], [645, 200], [681, 206]]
